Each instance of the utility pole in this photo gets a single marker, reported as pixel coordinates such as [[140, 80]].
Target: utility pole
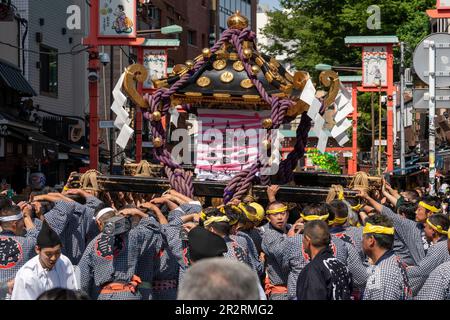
[[379, 128], [402, 107], [111, 113], [432, 113], [372, 107]]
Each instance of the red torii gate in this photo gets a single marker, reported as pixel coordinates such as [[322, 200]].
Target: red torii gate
[[99, 37], [381, 46], [353, 81]]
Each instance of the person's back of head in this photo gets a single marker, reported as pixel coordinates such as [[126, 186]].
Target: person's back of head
[[219, 279], [408, 210], [315, 212], [432, 201], [383, 238], [216, 221], [439, 222], [318, 233], [411, 196], [10, 217], [340, 209], [63, 294]]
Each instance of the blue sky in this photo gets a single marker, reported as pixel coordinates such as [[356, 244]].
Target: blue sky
[[271, 3]]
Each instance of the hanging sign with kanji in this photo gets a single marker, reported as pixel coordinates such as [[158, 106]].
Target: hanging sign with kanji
[[155, 61], [375, 67], [117, 18]]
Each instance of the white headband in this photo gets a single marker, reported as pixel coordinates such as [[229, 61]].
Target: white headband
[[102, 212], [12, 218]]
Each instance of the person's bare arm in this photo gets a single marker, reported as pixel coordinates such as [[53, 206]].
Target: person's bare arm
[[164, 200], [390, 197], [373, 203], [174, 199], [180, 195], [363, 216], [190, 217], [133, 212], [272, 192], [159, 215], [79, 192], [27, 214], [52, 197], [392, 191]]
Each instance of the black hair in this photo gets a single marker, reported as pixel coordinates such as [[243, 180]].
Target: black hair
[[412, 195], [432, 201], [408, 209], [337, 208], [221, 227], [236, 214], [8, 211], [273, 203], [318, 232], [385, 241], [46, 206], [439, 219], [318, 210], [63, 294], [121, 7]]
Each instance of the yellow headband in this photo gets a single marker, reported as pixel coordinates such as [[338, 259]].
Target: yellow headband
[[428, 207], [215, 219], [437, 228], [222, 210], [357, 207], [279, 210], [202, 216], [337, 220], [341, 196], [252, 217], [259, 211], [314, 217], [369, 228]]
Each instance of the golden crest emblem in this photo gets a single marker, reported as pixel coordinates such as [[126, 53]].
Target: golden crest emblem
[[226, 77], [219, 64], [238, 66], [246, 84], [203, 82]]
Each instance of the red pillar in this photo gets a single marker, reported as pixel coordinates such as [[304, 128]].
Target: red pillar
[[390, 107], [353, 163], [93, 111]]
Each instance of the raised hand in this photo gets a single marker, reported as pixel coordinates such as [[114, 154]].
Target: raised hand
[[272, 192]]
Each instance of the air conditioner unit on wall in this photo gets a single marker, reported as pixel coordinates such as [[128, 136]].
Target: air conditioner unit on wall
[[75, 132]]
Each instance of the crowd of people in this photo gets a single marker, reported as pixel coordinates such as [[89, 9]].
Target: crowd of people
[[85, 244]]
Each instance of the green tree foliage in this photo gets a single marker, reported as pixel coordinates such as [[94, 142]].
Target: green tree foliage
[[318, 28]]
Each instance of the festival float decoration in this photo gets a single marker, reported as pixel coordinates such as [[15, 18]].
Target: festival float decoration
[[234, 75]]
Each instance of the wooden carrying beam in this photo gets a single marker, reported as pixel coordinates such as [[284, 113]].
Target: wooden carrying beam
[[209, 189]]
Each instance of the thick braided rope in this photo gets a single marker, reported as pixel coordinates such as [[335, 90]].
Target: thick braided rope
[[239, 185], [288, 165], [180, 179]]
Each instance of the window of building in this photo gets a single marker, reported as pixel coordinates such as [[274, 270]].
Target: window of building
[[48, 72], [192, 37], [9, 148], [154, 15]]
